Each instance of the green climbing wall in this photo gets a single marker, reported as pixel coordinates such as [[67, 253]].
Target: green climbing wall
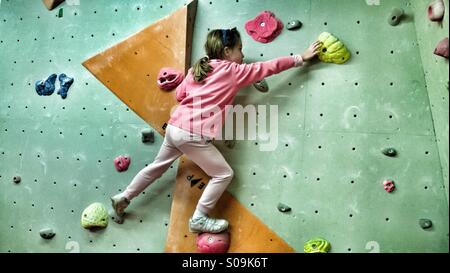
[[333, 122]]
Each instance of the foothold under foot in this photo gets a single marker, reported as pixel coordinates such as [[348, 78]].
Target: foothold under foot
[[395, 16], [148, 135], [115, 217], [261, 86], [283, 208], [293, 25], [213, 242], [47, 233], [425, 223], [317, 245], [17, 179], [389, 185], [389, 152]]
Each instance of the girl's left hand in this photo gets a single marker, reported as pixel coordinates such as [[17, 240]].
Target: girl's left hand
[[311, 51]]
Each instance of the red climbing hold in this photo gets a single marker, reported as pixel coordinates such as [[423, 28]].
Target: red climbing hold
[[265, 27], [169, 78], [389, 185], [442, 48], [122, 162], [213, 242]]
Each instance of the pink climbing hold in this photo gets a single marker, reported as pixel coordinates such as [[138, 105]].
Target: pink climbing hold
[[169, 78], [442, 48], [389, 185], [436, 10], [265, 27], [213, 242], [122, 162]]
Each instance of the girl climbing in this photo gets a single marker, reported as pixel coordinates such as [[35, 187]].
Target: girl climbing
[[212, 83]]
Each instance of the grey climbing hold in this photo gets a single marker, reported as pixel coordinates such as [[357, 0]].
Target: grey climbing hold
[[148, 135], [425, 223], [261, 86], [395, 16], [17, 179], [283, 208], [293, 25], [47, 233], [115, 217], [389, 152], [230, 143]]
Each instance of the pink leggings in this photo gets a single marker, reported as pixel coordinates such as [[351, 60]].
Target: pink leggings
[[198, 149]]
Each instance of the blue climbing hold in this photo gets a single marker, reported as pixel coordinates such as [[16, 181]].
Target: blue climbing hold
[[46, 87], [65, 83]]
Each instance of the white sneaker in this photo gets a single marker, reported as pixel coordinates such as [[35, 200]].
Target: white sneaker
[[119, 203], [206, 224]]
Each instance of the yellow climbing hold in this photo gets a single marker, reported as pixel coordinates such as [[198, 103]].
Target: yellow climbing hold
[[332, 50]]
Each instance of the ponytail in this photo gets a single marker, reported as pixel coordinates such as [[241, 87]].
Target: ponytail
[[201, 69]]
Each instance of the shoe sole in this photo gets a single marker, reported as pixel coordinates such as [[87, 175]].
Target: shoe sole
[[200, 231]]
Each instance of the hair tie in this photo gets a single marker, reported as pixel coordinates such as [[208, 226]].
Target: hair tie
[[224, 35]]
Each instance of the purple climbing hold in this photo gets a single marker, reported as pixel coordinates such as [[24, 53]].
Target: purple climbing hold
[[46, 87], [65, 83]]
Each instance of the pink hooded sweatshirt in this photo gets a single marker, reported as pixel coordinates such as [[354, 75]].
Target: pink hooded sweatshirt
[[202, 104]]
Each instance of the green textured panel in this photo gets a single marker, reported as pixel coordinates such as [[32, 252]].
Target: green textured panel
[[335, 191], [436, 76], [377, 99], [64, 149]]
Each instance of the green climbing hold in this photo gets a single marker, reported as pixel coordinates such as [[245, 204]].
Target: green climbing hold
[[332, 50], [60, 13], [94, 216], [389, 152], [317, 245], [425, 223], [283, 208]]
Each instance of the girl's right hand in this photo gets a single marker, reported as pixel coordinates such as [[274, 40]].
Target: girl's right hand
[[311, 51]]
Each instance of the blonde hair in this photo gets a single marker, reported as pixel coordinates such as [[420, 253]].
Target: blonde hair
[[216, 41]]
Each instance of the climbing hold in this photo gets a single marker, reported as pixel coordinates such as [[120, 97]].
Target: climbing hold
[[436, 10], [442, 48], [65, 83], [169, 78], [46, 87], [395, 16], [230, 143], [60, 13], [332, 50], [293, 25], [47, 233], [265, 27], [51, 4], [317, 245], [17, 179], [425, 223], [213, 242], [122, 162], [283, 208], [115, 217], [389, 185], [262, 86], [94, 216], [389, 152], [148, 135]]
